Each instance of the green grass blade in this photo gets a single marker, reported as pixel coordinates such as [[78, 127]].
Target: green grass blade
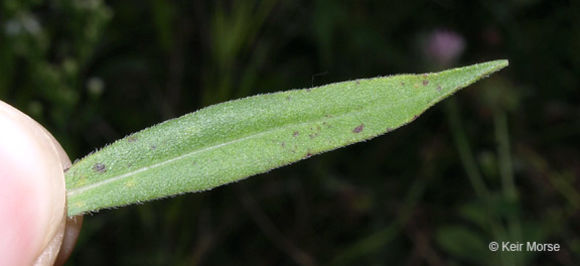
[[230, 141]]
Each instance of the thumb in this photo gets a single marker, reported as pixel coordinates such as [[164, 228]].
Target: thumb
[[32, 191]]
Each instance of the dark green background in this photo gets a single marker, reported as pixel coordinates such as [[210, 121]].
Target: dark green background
[[435, 192]]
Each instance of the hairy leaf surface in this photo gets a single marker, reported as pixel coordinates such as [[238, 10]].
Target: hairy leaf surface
[[230, 141]]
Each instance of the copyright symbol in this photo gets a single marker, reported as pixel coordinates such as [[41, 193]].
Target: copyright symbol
[[493, 246]]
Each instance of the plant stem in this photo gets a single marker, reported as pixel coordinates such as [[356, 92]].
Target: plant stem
[[497, 230], [505, 162], [465, 153], [506, 172]]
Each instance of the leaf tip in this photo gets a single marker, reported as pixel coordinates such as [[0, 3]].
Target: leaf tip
[[497, 65], [502, 63]]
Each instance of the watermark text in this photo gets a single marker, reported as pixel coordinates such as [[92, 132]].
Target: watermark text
[[529, 246]]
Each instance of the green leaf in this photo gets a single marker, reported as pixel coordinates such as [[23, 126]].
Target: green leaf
[[230, 141]]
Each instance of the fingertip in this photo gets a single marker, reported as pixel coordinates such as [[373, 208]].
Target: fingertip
[[33, 189]]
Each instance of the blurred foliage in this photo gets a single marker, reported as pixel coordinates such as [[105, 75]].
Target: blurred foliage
[[498, 162]]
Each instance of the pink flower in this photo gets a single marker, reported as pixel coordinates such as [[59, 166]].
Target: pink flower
[[443, 47]]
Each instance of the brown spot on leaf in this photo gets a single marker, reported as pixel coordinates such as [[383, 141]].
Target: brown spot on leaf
[[357, 82], [308, 155], [99, 167], [131, 138], [425, 82], [402, 83], [283, 144], [358, 129], [439, 88], [295, 134], [153, 147]]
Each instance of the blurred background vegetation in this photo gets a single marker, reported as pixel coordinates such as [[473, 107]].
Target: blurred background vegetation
[[498, 161]]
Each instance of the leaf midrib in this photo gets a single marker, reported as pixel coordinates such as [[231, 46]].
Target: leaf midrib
[[370, 106]]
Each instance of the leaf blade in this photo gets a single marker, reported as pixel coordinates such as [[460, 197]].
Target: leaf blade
[[230, 141]]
